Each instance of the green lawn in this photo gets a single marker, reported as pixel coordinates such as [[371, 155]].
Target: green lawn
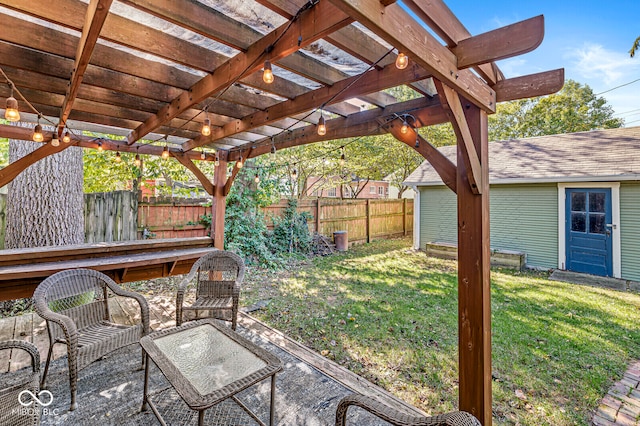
[[390, 314]]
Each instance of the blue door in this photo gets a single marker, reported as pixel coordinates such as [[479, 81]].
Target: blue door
[[588, 228]]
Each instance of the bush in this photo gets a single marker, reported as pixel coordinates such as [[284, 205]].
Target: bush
[[291, 232]]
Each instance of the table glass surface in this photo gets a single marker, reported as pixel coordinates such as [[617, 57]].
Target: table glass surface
[[208, 358]]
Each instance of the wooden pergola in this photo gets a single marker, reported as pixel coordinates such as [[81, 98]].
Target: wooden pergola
[[157, 69]]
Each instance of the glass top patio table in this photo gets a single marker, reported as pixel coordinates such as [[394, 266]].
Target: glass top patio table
[[206, 362]]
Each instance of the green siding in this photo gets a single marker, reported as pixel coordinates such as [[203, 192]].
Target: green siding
[[630, 230], [438, 216], [523, 218]]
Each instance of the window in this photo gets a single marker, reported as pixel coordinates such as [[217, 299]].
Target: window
[[381, 191], [372, 189], [331, 192]]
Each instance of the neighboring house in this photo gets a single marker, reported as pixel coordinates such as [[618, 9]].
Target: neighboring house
[[319, 187], [393, 190], [568, 201]]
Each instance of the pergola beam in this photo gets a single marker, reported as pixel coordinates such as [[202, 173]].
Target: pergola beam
[[451, 103], [501, 43], [441, 164], [97, 13], [397, 27], [447, 25], [202, 178], [312, 25], [372, 81], [527, 86], [9, 173]]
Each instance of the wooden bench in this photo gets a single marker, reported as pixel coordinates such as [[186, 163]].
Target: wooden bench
[[21, 270], [504, 258]]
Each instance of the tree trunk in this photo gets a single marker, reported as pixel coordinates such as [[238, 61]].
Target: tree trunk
[[45, 202]]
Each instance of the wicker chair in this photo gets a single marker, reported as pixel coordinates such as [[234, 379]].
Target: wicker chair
[[395, 417], [217, 277], [12, 413], [75, 304]]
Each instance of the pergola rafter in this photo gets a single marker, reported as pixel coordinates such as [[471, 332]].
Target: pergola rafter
[[150, 68]]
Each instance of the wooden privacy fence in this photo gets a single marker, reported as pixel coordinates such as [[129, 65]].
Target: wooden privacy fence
[[110, 216], [364, 220], [172, 217]]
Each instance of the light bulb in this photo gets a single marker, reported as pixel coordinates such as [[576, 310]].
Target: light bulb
[[206, 127], [217, 162], [294, 174], [405, 127], [342, 160], [402, 61], [137, 161], [11, 113], [165, 152], [417, 145], [322, 128], [66, 138], [203, 155], [55, 141], [100, 146], [257, 178], [239, 164], [267, 75], [37, 133], [118, 157]]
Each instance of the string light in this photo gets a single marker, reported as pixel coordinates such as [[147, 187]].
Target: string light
[[100, 146], [165, 152], [417, 145], [267, 75], [257, 178], [11, 113], [206, 126], [137, 161], [322, 127], [405, 127], [217, 162], [37, 132], [402, 61], [118, 157], [66, 138], [54, 140], [342, 158], [203, 155], [273, 147], [294, 174], [239, 163]]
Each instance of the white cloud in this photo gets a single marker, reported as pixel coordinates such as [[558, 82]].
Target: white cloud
[[594, 62]]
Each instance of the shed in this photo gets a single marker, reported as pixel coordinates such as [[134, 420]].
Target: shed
[[569, 201]]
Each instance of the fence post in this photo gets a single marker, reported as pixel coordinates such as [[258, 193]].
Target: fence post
[[318, 215], [368, 221], [404, 216]]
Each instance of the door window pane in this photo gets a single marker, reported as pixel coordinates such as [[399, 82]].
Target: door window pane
[[596, 202], [578, 222], [578, 201], [596, 223]]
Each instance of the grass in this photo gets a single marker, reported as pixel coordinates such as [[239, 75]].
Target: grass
[[389, 314]]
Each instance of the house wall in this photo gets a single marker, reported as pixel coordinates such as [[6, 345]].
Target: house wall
[[630, 230], [523, 218]]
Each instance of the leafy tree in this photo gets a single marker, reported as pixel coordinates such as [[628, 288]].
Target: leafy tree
[[634, 47], [574, 109]]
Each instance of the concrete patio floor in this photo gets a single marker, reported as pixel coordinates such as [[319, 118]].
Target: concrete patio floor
[[110, 390]]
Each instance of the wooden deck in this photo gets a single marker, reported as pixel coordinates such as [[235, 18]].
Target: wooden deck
[[32, 328]]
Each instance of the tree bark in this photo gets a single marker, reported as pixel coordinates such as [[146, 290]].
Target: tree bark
[[45, 202]]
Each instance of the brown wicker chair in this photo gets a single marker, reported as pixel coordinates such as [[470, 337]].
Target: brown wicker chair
[[395, 417], [217, 277], [75, 304], [12, 413]]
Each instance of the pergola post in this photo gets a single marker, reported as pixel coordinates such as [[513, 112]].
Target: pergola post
[[474, 298], [218, 205]]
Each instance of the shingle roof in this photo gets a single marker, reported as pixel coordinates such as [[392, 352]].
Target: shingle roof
[[597, 155]]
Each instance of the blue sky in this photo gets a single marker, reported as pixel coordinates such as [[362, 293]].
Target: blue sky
[[589, 39]]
